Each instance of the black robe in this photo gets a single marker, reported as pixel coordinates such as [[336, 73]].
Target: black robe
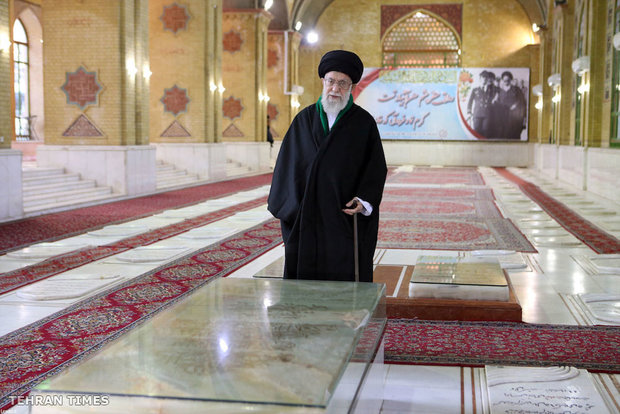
[[314, 177]]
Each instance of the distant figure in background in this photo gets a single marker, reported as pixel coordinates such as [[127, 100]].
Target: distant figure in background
[[512, 106], [480, 107], [269, 135]]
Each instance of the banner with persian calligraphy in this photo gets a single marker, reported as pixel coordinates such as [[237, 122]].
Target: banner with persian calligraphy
[[447, 104]]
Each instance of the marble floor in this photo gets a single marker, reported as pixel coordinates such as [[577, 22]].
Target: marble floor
[[564, 283]]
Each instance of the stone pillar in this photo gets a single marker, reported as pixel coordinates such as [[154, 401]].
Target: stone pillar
[[244, 73], [544, 116], [593, 104], [96, 87], [6, 86], [213, 70], [11, 204], [282, 80], [564, 19]]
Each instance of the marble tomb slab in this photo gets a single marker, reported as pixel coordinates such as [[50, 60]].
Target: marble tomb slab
[[549, 231], [58, 289], [538, 224], [551, 241], [149, 254], [40, 251], [188, 212], [542, 390], [602, 308], [508, 259], [208, 232], [608, 263], [118, 231]]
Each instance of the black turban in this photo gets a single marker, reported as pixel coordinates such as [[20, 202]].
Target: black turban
[[342, 61]]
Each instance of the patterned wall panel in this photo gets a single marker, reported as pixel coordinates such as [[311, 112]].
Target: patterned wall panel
[[175, 17], [81, 88]]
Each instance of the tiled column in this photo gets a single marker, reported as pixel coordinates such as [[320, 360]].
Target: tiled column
[[593, 108], [545, 70], [565, 16], [10, 160], [244, 73], [282, 80], [96, 87]]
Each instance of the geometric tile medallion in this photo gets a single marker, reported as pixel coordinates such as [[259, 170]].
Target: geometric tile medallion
[[175, 100], [231, 41], [231, 108], [272, 58], [175, 17], [175, 129], [81, 88], [232, 132], [272, 111], [82, 127]]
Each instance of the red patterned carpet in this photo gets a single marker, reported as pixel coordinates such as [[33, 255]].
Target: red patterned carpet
[[30, 354], [49, 227], [54, 265], [445, 218], [594, 348], [445, 175], [597, 239]]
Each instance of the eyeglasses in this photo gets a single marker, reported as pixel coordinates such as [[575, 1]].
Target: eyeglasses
[[342, 84]]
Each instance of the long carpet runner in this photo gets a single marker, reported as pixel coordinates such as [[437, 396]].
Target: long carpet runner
[[44, 348], [20, 233], [443, 217], [444, 175], [591, 235], [23, 276], [596, 348]]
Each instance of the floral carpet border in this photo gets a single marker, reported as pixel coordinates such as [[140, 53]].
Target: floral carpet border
[[597, 239], [31, 354], [26, 275], [596, 348]]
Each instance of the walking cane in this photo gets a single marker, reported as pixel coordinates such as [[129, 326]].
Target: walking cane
[[355, 252]]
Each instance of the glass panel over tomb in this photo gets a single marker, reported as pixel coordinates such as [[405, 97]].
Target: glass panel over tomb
[[240, 344]]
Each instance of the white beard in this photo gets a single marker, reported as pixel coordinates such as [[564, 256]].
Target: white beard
[[333, 106]]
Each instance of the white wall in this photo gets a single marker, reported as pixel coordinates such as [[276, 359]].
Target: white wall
[[11, 203], [459, 153], [593, 169], [129, 170]]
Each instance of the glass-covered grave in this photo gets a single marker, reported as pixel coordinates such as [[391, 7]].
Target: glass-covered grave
[[237, 344]]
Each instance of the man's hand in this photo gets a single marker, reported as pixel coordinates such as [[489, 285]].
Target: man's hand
[[354, 207]]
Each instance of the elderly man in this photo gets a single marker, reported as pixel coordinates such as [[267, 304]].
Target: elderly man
[[330, 167]]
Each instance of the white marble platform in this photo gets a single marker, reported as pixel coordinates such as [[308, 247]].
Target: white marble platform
[[548, 390]]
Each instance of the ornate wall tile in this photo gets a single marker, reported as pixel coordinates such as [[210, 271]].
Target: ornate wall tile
[[175, 100], [272, 111], [82, 127], [175, 129], [232, 132], [175, 17], [273, 57], [232, 41], [81, 88], [231, 108]]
